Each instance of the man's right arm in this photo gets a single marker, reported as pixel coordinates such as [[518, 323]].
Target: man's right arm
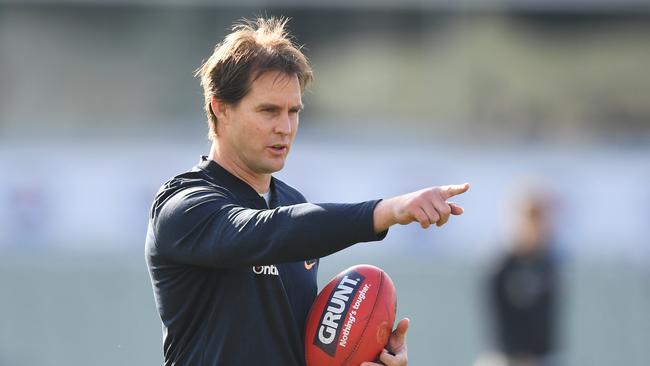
[[203, 227]]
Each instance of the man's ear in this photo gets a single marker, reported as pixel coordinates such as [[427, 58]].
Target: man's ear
[[219, 108]]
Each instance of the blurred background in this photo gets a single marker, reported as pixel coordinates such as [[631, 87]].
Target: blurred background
[[99, 106]]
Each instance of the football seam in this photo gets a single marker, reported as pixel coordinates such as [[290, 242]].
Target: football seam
[[356, 345]]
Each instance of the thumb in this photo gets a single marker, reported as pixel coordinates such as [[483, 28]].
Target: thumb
[[399, 335], [456, 209], [403, 327]]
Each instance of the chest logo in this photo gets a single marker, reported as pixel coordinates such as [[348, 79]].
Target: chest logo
[[309, 264], [266, 270]]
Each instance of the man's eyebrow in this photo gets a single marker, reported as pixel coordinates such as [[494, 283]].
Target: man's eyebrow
[[298, 107], [268, 106]]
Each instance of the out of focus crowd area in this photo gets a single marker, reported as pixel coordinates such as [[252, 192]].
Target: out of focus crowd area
[[543, 106]]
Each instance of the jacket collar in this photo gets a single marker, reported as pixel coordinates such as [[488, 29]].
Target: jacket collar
[[238, 186]]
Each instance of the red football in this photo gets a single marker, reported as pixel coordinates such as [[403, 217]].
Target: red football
[[352, 318]]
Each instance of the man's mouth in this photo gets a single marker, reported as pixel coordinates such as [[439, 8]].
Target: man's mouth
[[278, 148]]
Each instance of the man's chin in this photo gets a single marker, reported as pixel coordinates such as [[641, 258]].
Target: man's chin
[[272, 167]]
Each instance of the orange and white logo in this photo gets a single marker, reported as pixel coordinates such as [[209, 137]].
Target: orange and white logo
[[309, 264]]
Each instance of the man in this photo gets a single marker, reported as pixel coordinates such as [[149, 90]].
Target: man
[[232, 251], [523, 288]]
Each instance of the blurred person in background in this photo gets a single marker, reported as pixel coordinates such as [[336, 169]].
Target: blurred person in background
[[232, 251], [523, 288]]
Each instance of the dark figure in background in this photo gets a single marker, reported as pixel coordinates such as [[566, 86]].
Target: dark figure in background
[[523, 290]]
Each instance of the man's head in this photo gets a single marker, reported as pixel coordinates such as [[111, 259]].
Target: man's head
[[535, 225], [252, 49]]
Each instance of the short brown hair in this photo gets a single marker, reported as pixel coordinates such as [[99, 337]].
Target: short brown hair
[[253, 47]]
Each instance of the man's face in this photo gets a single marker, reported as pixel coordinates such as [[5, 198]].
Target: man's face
[[259, 130]]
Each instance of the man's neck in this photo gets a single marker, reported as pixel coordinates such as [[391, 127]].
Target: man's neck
[[259, 182]]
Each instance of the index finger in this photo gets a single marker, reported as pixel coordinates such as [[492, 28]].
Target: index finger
[[454, 190]]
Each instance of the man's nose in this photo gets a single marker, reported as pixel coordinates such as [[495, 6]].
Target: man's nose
[[284, 125]]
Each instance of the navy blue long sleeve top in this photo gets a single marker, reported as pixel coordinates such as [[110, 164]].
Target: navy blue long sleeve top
[[234, 278]]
